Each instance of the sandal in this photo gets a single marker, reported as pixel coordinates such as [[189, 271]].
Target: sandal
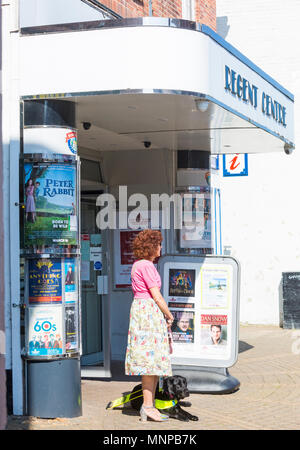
[[145, 415]]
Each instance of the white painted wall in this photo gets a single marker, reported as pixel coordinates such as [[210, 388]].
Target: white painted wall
[[261, 215]]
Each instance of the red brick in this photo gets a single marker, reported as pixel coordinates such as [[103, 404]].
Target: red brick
[[205, 10]]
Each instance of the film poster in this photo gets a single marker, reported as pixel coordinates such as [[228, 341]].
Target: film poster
[[50, 204], [45, 331]]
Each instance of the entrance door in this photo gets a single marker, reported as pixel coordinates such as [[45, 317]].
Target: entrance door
[[95, 336]]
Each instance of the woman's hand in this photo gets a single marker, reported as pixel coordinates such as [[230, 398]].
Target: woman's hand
[[170, 320]]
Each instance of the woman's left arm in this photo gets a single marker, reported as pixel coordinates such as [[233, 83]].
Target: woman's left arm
[[161, 303]]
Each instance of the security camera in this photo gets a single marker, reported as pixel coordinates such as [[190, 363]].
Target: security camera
[[147, 144], [86, 125], [288, 149]]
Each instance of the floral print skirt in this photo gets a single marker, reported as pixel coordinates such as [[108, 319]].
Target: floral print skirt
[[148, 346]]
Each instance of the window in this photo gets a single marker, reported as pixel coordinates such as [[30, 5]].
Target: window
[[52, 12]]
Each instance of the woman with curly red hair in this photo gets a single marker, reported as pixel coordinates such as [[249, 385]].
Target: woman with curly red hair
[[148, 351]]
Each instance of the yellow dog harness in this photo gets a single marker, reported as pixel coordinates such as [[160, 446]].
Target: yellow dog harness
[[159, 404]]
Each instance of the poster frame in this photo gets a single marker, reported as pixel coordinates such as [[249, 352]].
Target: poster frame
[[53, 159], [116, 254], [166, 262], [62, 306]]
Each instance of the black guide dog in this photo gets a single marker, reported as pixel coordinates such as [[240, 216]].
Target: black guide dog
[[174, 388]]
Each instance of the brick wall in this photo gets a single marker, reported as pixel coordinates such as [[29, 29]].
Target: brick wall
[[205, 10]]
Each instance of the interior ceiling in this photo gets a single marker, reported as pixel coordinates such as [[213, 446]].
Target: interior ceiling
[[126, 121]]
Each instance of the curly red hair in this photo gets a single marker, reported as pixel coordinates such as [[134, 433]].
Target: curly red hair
[[145, 244]]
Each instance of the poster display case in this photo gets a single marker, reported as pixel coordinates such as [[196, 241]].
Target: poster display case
[[52, 320], [203, 295], [51, 248], [200, 216]]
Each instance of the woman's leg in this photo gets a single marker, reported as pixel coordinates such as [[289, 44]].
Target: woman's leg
[[148, 384], [155, 381]]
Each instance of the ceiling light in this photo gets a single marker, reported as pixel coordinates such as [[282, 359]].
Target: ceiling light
[[202, 104]]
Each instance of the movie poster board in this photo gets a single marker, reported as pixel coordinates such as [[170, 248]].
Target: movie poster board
[[50, 204], [203, 295]]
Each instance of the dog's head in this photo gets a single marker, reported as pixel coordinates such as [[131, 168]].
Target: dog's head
[[176, 387]]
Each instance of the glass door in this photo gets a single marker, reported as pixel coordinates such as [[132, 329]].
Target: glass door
[[95, 360]]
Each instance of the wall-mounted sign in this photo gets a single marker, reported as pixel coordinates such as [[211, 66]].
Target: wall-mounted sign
[[243, 89], [51, 140], [235, 165], [50, 204]]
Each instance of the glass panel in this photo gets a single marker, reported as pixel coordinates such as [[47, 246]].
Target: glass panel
[[48, 12], [91, 301]]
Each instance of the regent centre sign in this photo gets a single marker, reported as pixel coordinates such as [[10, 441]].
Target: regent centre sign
[[243, 89]]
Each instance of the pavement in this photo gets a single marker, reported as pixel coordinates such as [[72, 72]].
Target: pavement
[[268, 368]]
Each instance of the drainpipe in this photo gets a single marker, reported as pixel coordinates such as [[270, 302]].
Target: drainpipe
[[3, 414], [150, 8]]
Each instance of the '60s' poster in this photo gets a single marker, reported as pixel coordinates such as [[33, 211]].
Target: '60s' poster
[[50, 204], [45, 281], [45, 331]]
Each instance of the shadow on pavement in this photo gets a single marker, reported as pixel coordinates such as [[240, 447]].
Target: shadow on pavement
[[244, 346]]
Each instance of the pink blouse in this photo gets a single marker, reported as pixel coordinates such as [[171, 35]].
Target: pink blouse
[[143, 277]]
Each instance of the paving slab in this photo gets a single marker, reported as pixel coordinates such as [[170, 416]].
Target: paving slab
[[268, 368]]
